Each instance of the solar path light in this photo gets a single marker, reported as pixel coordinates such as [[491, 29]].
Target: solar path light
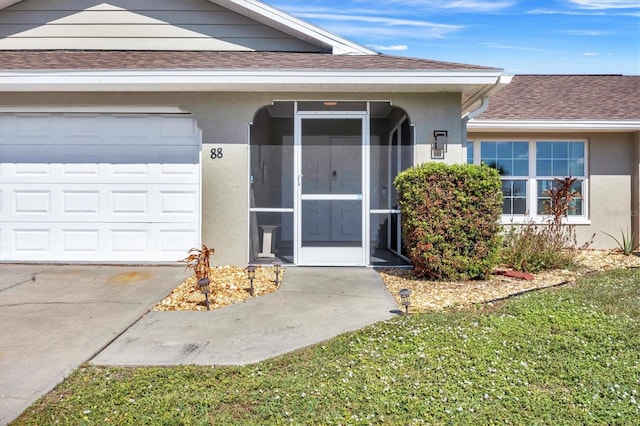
[[251, 274], [276, 268], [203, 285], [405, 295]]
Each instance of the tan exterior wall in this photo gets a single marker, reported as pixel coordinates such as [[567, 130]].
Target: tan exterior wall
[[224, 119], [137, 25], [611, 165], [610, 192]]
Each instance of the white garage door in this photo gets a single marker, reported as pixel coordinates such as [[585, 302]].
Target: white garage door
[[98, 187]]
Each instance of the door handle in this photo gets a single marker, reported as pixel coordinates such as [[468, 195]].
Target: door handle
[[300, 180], [334, 175]]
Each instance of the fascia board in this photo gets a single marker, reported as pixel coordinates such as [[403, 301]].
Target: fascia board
[[239, 80], [289, 24], [486, 126]]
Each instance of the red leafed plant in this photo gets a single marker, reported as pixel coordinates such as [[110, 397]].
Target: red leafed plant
[[561, 198], [198, 261]]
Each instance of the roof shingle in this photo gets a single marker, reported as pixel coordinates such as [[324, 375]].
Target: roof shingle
[[566, 97], [162, 60]]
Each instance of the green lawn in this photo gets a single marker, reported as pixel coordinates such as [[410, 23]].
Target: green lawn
[[566, 356]]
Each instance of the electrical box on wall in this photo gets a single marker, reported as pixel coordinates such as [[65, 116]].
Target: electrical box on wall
[[439, 143]]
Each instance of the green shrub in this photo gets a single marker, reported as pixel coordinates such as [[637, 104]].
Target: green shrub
[[450, 219]]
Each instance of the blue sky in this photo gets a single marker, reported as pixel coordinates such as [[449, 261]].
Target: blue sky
[[521, 36]]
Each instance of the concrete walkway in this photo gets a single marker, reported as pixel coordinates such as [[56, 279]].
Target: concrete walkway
[[312, 305], [55, 317]]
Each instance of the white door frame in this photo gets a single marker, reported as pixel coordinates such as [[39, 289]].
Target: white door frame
[[331, 256]]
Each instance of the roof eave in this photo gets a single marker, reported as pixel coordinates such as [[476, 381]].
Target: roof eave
[[468, 82], [499, 126]]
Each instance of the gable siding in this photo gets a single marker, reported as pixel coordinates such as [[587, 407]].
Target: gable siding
[[137, 25]]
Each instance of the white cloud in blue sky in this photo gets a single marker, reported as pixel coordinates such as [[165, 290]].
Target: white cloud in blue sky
[[525, 36]]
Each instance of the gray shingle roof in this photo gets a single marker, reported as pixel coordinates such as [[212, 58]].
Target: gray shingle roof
[[566, 97], [160, 60]]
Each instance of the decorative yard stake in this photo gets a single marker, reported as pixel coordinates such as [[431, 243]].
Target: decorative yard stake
[[276, 268], [405, 295], [251, 274]]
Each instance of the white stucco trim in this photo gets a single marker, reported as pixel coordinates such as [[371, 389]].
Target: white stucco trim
[[246, 80], [553, 125]]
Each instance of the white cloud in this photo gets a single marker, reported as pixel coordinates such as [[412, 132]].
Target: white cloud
[[470, 6], [478, 5], [590, 33], [377, 20], [563, 12], [358, 25], [393, 48], [606, 4], [511, 47], [589, 54]]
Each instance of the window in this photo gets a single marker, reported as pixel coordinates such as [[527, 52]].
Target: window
[[469, 152], [559, 159], [511, 159], [528, 169]]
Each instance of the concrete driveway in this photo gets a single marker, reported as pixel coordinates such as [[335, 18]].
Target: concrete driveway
[[53, 318]]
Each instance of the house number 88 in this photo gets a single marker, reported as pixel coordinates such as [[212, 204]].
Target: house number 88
[[216, 153]]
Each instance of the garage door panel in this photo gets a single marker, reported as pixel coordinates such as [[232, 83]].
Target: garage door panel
[[174, 240], [80, 240], [31, 240], [178, 203], [79, 202], [98, 187], [70, 163], [111, 203], [32, 202], [124, 242], [130, 241]]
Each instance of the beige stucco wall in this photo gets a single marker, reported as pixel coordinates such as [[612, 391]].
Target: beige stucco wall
[[224, 119], [610, 192], [611, 165]]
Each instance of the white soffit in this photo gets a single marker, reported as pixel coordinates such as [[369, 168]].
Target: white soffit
[[486, 126], [467, 82], [293, 26]]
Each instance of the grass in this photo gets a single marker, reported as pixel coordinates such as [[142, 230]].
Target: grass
[[567, 356]]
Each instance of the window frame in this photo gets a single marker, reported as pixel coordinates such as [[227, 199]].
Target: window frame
[[531, 214]]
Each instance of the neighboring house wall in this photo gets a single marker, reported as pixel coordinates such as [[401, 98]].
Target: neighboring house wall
[[224, 120], [137, 25]]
